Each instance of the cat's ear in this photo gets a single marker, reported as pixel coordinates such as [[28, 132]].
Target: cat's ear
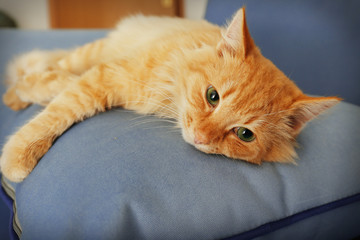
[[237, 40], [307, 108]]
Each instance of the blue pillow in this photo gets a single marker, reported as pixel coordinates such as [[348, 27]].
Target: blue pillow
[[118, 176], [123, 176]]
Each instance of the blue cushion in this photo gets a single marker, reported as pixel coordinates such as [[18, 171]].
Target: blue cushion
[[315, 43], [121, 176]]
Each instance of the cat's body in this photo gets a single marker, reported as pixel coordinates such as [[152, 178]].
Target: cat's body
[[226, 97]]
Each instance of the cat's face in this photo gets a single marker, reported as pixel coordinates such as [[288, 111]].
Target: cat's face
[[237, 103], [236, 108]]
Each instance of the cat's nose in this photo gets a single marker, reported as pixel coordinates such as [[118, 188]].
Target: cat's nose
[[201, 138]]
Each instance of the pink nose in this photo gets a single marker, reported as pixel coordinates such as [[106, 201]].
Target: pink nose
[[201, 138]]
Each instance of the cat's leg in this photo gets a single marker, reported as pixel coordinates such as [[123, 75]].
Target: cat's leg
[[22, 68], [94, 92], [38, 76], [13, 101], [41, 87]]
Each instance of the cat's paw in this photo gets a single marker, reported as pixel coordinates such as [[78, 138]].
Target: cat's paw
[[19, 157], [13, 171], [12, 100], [34, 61], [13, 167]]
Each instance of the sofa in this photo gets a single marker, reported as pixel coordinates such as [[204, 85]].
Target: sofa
[[119, 175]]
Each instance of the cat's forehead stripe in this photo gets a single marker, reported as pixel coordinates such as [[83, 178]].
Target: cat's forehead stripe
[[228, 92], [228, 88], [251, 120]]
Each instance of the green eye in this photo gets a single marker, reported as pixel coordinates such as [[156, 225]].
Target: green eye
[[245, 134], [212, 96]]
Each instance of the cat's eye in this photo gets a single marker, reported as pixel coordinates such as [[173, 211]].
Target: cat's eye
[[245, 134], [212, 96]]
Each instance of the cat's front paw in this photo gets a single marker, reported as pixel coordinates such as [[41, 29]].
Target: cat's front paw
[[12, 171], [19, 157], [13, 167]]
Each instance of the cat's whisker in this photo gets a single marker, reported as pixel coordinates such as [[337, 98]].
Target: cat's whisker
[[123, 110], [142, 122], [221, 156], [155, 103], [140, 117], [174, 130], [154, 120], [169, 120], [154, 127], [137, 123]]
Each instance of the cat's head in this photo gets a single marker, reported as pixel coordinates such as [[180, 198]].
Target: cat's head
[[239, 104]]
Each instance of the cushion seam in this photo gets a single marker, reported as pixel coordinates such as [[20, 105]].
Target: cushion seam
[[268, 227]]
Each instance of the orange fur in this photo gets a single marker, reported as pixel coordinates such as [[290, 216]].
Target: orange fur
[[162, 66]]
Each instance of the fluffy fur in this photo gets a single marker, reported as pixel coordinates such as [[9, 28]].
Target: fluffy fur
[[162, 66]]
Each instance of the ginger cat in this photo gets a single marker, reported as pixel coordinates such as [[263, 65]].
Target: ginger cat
[[226, 97]]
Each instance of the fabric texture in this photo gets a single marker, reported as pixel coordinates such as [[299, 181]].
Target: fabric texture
[[119, 175]]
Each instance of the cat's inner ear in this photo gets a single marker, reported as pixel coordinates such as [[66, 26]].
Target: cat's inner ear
[[308, 108], [237, 40]]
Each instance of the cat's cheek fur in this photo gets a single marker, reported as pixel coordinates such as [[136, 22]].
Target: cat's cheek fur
[[237, 149], [284, 154], [276, 143]]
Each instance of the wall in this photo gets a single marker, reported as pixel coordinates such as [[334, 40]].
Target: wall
[[195, 9], [33, 14], [29, 14]]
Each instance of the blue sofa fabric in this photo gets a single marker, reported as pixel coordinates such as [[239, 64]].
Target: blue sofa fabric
[[141, 180], [119, 175]]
